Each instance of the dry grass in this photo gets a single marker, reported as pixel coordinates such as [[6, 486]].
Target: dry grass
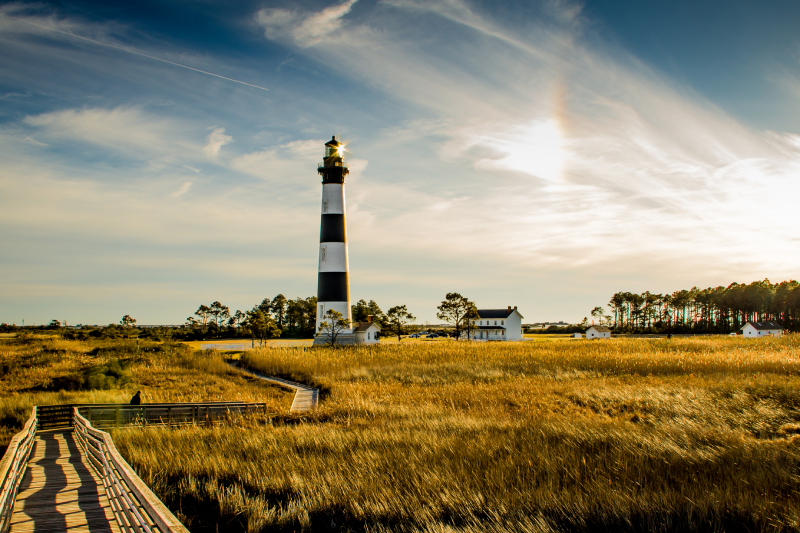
[[49, 371], [628, 435]]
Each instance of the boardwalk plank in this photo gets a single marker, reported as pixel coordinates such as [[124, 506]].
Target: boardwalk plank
[[60, 491]]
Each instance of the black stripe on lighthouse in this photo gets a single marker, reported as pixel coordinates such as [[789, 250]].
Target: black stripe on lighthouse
[[333, 287], [332, 229]]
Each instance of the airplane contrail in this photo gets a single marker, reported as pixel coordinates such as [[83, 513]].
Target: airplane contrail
[[143, 55]]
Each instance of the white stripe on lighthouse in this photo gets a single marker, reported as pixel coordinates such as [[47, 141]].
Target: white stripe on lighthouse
[[322, 308], [333, 199], [333, 257]]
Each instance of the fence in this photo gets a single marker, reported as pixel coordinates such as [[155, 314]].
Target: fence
[[169, 414], [13, 467], [118, 415], [135, 506]]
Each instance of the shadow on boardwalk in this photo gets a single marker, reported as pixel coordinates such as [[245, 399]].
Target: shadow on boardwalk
[[59, 492]]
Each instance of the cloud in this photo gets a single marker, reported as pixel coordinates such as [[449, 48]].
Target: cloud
[[306, 29], [124, 129], [593, 155], [216, 140], [282, 164], [30, 140], [183, 190], [478, 141]]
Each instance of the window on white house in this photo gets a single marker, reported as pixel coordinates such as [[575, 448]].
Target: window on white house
[[502, 322], [495, 322], [368, 335]]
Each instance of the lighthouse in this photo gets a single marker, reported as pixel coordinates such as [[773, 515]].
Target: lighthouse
[[333, 281]]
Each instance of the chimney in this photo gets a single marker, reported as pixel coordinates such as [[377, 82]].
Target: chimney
[[515, 307], [369, 318], [509, 308]]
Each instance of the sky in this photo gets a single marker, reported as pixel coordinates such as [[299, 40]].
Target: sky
[[156, 156]]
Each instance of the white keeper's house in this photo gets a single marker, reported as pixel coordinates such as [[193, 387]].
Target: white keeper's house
[[762, 329], [498, 325], [598, 332]]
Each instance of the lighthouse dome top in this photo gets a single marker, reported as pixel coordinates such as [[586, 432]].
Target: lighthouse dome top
[[333, 142]]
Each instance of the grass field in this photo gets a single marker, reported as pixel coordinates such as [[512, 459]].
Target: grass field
[[622, 435], [45, 371]]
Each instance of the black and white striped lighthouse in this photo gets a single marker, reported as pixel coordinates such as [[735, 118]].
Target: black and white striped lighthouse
[[333, 282]]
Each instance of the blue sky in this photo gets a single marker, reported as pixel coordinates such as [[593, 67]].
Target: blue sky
[[539, 154]]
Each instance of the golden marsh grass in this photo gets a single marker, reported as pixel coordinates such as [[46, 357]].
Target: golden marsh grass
[[628, 435]]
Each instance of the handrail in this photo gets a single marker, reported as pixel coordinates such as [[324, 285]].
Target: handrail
[[136, 507], [118, 415], [12, 467]]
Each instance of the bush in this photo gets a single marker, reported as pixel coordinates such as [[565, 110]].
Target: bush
[[111, 375]]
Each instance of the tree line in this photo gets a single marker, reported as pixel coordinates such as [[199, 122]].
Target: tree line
[[284, 317], [711, 310], [273, 317], [277, 317]]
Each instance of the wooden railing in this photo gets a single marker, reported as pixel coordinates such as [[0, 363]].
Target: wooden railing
[[12, 467], [135, 506], [119, 415], [168, 414]]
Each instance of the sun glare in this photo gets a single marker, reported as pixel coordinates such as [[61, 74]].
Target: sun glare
[[536, 149]]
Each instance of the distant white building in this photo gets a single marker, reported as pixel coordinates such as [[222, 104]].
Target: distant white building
[[577, 335], [498, 325], [598, 332], [366, 332], [762, 329]]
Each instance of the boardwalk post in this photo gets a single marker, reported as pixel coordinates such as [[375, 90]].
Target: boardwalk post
[[118, 413]]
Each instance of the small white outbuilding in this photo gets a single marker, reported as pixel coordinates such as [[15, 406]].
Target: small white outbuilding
[[366, 332], [577, 335], [762, 329], [598, 332]]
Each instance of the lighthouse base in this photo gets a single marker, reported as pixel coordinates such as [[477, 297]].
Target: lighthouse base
[[342, 339]]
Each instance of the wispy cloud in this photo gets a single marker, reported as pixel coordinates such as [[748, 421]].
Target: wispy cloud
[[183, 190], [216, 140], [590, 153], [479, 139], [307, 29], [123, 129]]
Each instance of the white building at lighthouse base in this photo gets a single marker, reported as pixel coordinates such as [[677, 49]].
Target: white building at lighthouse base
[[359, 333]]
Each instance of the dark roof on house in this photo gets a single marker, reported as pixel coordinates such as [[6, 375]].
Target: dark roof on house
[[764, 325], [364, 326], [496, 313], [600, 329]]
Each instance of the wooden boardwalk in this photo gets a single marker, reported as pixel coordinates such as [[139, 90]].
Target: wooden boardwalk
[[58, 487], [60, 491], [305, 398]]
